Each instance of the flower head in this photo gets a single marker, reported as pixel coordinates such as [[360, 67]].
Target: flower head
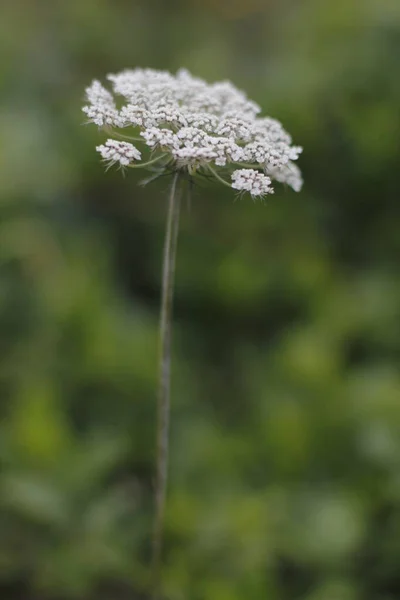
[[189, 124]]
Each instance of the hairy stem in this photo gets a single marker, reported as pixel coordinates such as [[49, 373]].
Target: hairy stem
[[163, 408]]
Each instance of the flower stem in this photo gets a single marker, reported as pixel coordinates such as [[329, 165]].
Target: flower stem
[[245, 165], [163, 408], [148, 163], [214, 172], [115, 133]]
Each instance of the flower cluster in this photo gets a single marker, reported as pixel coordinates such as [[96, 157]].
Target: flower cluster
[[254, 182], [114, 151], [189, 124]]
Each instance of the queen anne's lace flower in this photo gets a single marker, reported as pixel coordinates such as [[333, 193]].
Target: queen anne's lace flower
[[187, 123]]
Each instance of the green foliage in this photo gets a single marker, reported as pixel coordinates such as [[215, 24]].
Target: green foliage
[[284, 472]]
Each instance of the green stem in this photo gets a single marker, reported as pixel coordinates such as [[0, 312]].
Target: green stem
[[218, 176], [163, 408], [108, 129], [148, 163], [257, 167]]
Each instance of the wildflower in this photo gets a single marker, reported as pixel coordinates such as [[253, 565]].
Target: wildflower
[[186, 125], [191, 125]]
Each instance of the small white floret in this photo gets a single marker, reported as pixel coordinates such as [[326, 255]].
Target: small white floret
[[114, 151], [254, 182], [290, 174]]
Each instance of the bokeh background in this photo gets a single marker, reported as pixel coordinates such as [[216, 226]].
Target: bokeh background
[[285, 458]]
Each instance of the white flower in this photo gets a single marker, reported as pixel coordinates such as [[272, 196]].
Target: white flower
[[123, 153], [97, 94], [103, 115], [134, 115], [289, 174], [193, 156], [101, 109], [202, 120], [164, 138], [193, 125], [254, 182]]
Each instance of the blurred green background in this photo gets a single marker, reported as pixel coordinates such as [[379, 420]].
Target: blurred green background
[[285, 458]]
